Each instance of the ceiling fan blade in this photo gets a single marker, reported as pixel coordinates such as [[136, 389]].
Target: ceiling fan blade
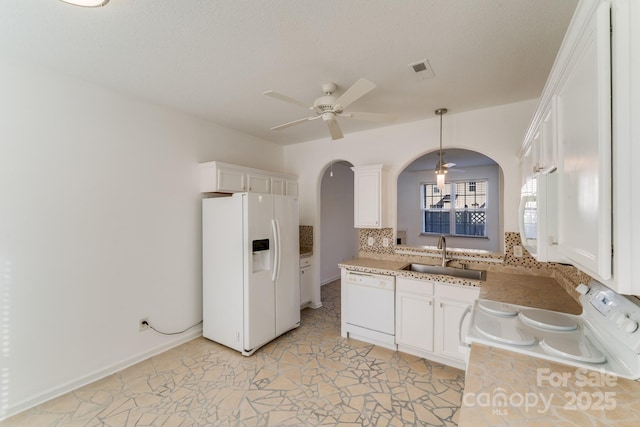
[[334, 129], [449, 165], [293, 123], [355, 92], [373, 117], [285, 98]]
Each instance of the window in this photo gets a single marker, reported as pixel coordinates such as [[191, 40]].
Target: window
[[465, 216]]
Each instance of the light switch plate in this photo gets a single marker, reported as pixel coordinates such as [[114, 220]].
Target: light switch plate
[[371, 241]]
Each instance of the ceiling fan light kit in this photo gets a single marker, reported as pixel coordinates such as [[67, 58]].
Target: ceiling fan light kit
[[329, 107], [441, 169]]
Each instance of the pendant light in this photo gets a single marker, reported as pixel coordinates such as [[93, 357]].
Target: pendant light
[[440, 169], [87, 3]]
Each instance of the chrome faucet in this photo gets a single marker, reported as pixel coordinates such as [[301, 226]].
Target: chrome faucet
[[442, 244]]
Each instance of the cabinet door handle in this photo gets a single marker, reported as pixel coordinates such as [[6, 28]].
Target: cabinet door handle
[[430, 303], [464, 315]]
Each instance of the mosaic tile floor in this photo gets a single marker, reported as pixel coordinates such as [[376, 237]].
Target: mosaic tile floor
[[309, 377]]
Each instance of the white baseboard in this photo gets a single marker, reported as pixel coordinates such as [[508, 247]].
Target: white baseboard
[[88, 379], [327, 281]]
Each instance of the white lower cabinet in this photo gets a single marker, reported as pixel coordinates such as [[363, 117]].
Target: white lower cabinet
[[428, 316], [305, 281], [414, 314], [451, 303]]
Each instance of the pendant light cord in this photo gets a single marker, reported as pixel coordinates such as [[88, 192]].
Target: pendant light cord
[[440, 112], [440, 164]]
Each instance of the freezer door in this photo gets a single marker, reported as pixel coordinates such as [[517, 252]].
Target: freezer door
[[287, 288], [259, 311], [222, 271]]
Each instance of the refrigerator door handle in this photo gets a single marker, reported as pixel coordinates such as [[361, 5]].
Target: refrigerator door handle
[[276, 249]]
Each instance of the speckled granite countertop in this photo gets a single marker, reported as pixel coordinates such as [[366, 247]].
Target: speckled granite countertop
[[503, 388], [521, 289], [306, 251], [531, 291], [394, 268]]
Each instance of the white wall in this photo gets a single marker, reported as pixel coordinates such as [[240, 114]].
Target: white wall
[[495, 132], [338, 237], [99, 227], [409, 209]]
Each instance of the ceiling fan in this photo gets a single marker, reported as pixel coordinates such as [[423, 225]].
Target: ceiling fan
[[443, 166], [447, 167], [329, 107]]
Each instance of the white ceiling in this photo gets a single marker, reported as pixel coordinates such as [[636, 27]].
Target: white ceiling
[[215, 58], [461, 158]]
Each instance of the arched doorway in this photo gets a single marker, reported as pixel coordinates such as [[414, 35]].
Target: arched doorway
[[468, 211], [338, 237]]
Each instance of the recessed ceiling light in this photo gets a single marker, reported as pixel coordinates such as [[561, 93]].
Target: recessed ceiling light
[[87, 3]]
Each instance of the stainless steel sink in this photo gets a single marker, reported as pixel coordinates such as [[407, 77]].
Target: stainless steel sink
[[449, 271]]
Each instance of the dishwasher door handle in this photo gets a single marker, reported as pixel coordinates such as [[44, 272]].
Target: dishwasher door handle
[[464, 316]]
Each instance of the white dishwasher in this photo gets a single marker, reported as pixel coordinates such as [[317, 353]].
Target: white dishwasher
[[370, 308]]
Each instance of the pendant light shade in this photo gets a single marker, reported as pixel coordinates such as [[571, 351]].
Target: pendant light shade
[[440, 180], [87, 3], [440, 169]]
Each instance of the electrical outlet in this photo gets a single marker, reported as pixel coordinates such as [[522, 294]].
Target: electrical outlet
[[517, 251], [371, 241], [143, 324], [385, 242]]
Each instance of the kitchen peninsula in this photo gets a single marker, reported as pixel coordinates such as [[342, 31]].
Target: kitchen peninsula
[[495, 374]]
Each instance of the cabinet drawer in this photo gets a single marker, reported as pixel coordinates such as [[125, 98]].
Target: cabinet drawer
[[305, 262], [414, 286]]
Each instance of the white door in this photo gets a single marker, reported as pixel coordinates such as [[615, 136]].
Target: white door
[[259, 310], [287, 287]]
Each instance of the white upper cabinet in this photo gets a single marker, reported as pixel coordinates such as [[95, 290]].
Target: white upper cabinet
[[258, 182], [278, 185], [291, 187], [587, 126], [369, 196], [227, 180], [584, 131], [548, 150], [625, 16], [219, 177]]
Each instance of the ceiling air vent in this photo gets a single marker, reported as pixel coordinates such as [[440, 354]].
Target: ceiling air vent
[[422, 69]]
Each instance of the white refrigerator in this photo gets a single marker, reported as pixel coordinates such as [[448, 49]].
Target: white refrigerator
[[251, 289]]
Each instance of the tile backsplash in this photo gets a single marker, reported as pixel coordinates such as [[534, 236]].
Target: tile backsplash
[[527, 260], [306, 235], [373, 240], [566, 275]]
